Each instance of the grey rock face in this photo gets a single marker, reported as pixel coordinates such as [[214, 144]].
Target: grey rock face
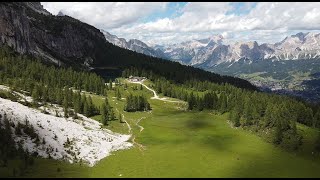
[[133, 45], [30, 29]]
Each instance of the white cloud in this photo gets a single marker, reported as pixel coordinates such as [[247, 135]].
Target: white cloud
[[265, 22], [105, 14]]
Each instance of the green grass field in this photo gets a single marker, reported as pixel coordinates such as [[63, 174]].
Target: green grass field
[[180, 143]]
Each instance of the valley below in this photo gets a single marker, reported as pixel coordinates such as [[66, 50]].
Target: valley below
[[297, 78]]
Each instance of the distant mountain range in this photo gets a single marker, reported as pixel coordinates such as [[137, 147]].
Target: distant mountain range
[[212, 51]]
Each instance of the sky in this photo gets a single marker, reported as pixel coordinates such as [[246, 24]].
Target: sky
[[174, 22]]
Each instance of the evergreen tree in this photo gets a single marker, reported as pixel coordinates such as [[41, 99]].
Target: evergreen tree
[[137, 103], [65, 107], [77, 102], [247, 111], [59, 96], [35, 95], [191, 101], [223, 103], [104, 114], [112, 115], [91, 108], [118, 94], [235, 117], [316, 119], [45, 97], [83, 101]]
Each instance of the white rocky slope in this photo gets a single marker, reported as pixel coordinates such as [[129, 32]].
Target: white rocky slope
[[88, 141]]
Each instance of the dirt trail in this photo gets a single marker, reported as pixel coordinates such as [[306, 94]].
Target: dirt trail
[[155, 96], [141, 128], [140, 146], [128, 125]]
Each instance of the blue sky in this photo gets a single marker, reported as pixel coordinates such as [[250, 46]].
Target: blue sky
[[173, 10], [172, 22], [241, 8]]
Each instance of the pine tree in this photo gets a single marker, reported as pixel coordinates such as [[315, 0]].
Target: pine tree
[[83, 102], [90, 107], [277, 135], [223, 103], [191, 101], [147, 105], [77, 102], [44, 94], [200, 104], [104, 114], [59, 96], [268, 117], [35, 94], [235, 117], [65, 107], [112, 115], [247, 111]]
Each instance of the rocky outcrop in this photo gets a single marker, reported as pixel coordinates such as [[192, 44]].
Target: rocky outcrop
[[29, 29]]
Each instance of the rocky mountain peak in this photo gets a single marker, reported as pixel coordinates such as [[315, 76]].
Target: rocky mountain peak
[[300, 36], [60, 13], [37, 7]]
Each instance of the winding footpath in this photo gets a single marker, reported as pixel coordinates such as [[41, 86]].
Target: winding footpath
[[155, 96], [128, 125], [140, 146], [141, 128]]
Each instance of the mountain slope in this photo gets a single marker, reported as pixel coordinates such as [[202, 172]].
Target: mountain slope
[[58, 39]]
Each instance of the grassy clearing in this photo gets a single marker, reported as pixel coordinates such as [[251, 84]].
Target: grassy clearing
[[187, 144]]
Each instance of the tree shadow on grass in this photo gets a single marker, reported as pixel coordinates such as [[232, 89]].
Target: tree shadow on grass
[[204, 131], [198, 121]]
